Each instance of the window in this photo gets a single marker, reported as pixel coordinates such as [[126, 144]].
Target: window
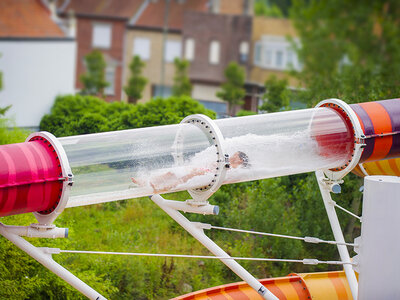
[[141, 47], [101, 35], [110, 78], [189, 49], [162, 91], [289, 58], [214, 53], [243, 52], [279, 59], [219, 107], [172, 50], [257, 53], [268, 57], [276, 52]]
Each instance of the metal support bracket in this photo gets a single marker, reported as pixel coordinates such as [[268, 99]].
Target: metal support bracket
[[12, 233], [337, 232], [217, 141], [196, 230]]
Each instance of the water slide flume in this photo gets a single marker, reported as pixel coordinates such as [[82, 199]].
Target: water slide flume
[[45, 174]]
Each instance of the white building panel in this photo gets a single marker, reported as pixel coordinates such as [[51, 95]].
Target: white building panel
[[34, 73]]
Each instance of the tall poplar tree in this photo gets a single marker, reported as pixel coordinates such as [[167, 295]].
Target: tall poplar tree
[[136, 82], [182, 85], [94, 79], [232, 91]]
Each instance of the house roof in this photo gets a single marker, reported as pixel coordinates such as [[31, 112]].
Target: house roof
[[153, 15], [123, 9], [27, 19]]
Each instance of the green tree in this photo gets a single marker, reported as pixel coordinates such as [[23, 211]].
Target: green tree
[[232, 90], [137, 82], [94, 79], [243, 112], [79, 114], [277, 95], [349, 49], [267, 9], [182, 85]]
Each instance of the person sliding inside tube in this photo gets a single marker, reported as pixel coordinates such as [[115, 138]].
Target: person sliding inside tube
[[171, 179]]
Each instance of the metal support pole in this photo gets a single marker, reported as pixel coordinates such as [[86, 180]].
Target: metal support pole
[[198, 234], [47, 261], [337, 233], [164, 41]]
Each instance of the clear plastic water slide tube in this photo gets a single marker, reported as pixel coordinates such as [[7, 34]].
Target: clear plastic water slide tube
[[141, 162]]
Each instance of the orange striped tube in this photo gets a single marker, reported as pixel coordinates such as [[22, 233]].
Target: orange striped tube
[[292, 287], [390, 167], [328, 285], [380, 122], [317, 286]]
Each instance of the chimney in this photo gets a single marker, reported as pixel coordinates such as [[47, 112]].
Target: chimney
[[71, 24], [248, 7], [214, 6], [51, 4]]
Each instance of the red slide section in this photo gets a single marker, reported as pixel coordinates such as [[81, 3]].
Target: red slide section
[[30, 177]]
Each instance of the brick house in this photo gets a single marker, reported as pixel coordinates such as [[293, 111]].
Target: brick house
[[101, 25], [145, 38], [211, 42], [273, 54]]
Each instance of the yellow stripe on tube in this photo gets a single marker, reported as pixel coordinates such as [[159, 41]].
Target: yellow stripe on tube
[[327, 285], [372, 168], [382, 167]]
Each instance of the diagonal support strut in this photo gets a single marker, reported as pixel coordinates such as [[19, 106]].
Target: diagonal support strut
[[199, 234]]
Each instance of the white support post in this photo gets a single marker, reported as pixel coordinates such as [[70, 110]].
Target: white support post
[[337, 233], [46, 260], [199, 234]]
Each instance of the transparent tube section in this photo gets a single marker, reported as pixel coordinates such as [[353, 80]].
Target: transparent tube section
[[134, 163], [141, 162], [286, 143]]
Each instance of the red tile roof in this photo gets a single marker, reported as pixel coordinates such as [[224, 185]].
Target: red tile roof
[[104, 8], [28, 19], [153, 15]]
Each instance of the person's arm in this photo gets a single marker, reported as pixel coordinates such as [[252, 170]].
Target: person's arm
[[195, 172], [165, 182]]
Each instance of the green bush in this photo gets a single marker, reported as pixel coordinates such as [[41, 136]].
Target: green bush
[[243, 112], [78, 114], [10, 134]]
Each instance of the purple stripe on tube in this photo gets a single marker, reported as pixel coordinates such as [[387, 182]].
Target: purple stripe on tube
[[392, 107], [368, 130]]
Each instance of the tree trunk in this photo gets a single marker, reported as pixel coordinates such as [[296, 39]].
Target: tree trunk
[[132, 100]]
